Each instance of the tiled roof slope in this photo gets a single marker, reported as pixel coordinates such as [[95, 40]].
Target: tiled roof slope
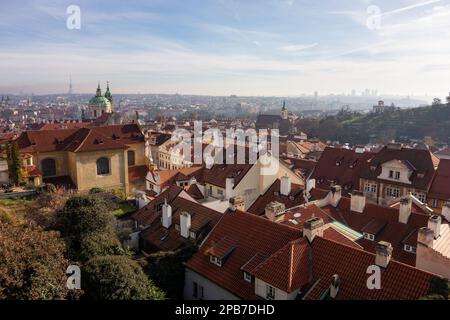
[[440, 187], [81, 139], [340, 166]]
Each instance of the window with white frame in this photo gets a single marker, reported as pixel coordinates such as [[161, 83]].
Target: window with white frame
[[215, 260], [247, 277], [394, 175], [370, 187], [420, 196], [392, 192], [197, 291], [368, 236], [409, 248], [270, 292], [435, 203]]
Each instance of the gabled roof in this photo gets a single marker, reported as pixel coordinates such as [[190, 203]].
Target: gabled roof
[[398, 280], [421, 161], [81, 139]]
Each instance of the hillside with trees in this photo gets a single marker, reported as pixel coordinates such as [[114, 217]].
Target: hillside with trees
[[403, 124]]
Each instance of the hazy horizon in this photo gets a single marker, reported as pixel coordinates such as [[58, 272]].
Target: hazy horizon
[[227, 47]]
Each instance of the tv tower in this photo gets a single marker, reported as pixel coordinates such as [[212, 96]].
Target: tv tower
[[70, 85]]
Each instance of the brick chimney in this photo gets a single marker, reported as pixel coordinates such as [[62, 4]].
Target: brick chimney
[[383, 253], [274, 209], [405, 209], [434, 224], [312, 228], [285, 185], [425, 237], [237, 203], [446, 211], [357, 201], [336, 194], [166, 215], [334, 287], [185, 224]]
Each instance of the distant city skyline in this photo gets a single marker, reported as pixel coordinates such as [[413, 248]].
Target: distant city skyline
[[225, 47]]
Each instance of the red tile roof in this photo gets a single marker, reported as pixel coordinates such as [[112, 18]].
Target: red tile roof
[[137, 173], [80, 140], [255, 235], [398, 280], [338, 166], [440, 187]]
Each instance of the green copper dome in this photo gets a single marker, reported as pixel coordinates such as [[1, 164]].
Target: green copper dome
[[99, 101]]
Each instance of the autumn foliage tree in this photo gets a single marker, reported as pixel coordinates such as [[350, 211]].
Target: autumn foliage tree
[[17, 174], [32, 263]]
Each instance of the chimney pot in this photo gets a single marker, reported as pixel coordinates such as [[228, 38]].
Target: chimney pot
[[434, 223], [426, 237], [383, 253], [285, 186], [334, 287], [274, 209], [405, 209], [185, 224], [312, 228], [237, 203], [357, 201], [336, 194], [166, 215]]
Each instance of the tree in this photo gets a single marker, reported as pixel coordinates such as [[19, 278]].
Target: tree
[[83, 216], [439, 289], [436, 102], [117, 278], [99, 244], [32, 263], [15, 164]]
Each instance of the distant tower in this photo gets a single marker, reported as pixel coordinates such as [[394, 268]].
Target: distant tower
[[284, 111], [108, 95], [70, 86]]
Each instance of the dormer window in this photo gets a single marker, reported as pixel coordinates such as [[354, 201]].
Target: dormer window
[[192, 235], [215, 260], [409, 248], [368, 236], [247, 277], [394, 175], [270, 292]]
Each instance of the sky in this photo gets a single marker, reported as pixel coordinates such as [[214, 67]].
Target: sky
[[224, 47]]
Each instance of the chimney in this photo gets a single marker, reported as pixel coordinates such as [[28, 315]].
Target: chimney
[[229, 184], [383, 253], [334, 287], [312, 228], [446, 211], [166, 215], [285, 186], [274, 209], [185, 224], [357, 201], [426, 237], [237, 203], [405, 209], [336, 194], [434, 224]]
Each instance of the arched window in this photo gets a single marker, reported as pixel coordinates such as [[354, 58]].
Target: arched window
[[103, 166], [48, 167], [131, 157]]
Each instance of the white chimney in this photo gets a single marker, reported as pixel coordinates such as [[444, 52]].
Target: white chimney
[[166, 215], [185, 224], [336, 194], [334, 287], [312, 228], [426, 237], [229, 184], [446, 211], [383, 253], [434, 224], [237, 203], [285, 185], [405, 209], [357, 201]]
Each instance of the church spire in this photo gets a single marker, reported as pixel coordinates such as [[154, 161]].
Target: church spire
[[99, 91]]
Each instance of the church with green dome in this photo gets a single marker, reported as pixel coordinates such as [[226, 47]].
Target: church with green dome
[[101, 104]]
